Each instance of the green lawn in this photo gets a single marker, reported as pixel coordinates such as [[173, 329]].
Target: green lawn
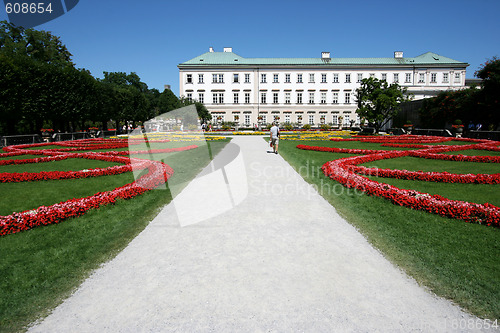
[[454, 259], [70, 164], [473, 152], [39, 268], [423, 164]]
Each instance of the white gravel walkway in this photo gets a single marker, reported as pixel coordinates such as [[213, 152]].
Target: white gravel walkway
[[276, 258]]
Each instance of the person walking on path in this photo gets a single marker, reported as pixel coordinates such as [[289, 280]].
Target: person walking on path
[[275, 134]]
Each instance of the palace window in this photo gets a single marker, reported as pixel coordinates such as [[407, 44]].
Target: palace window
[[247, 98], [323, 78], [263, 78], [287, 119], [247, 120], [348, 78], [189, 97], [445, 78], [311, 119], [236, 97], [335, 119], [433, 77], [347, 119], [200, 78], [299, 78], [217, 78], [457, 78], [408, 78], [247, 78], [263, 97], [287, 78], [384, 76], [323, 98], [299, 98], [275, 98], [287, 98], [311, 98], [335, 98], [236, 78], [396, 77], [189, 78], [201, 97], [275, 78], [360, 77], [218, 98], [335, 78], [311, 78], [421, 78], [347, 98]]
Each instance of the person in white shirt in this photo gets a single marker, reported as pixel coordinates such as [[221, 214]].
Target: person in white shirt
[[275, 134]]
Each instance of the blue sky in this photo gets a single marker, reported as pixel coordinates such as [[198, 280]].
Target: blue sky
[[151, 37]]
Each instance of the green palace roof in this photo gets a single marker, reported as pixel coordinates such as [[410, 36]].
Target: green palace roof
[[232, 59]]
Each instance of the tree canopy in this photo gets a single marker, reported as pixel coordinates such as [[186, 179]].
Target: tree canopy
[[378, 102], [38, 45], [40, 87], [470, 105]]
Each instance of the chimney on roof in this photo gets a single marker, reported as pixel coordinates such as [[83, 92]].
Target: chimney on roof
[[210, 49], [325, 55], [228, 49], [398, 55]]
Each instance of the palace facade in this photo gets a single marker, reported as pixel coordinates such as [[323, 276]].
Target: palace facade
[[305, 90]]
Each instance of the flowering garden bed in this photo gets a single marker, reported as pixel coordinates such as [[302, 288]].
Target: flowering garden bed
[[156, 174], [348, 172]]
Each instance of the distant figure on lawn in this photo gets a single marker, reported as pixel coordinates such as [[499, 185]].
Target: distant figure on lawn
[[275, 134]]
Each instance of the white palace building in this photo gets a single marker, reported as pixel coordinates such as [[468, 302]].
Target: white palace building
[[305, 90]]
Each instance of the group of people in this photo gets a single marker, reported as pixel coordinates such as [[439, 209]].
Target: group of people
[[472, 127], [206, 127]]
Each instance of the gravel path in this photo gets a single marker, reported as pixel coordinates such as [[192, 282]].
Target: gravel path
[[250, 246]]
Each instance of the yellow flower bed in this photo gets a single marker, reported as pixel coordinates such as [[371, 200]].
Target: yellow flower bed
[[212, 136], [178, 137], [315, 135]]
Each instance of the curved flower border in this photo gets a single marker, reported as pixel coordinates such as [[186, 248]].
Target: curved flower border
[[346, 170], [158, 173]]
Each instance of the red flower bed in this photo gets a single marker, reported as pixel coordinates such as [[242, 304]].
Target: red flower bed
[[158, 173], [346, 171]]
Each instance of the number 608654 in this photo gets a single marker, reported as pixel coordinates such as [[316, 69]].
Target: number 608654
[[28, 8]]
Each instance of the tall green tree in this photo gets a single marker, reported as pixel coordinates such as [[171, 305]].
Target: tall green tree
[[489, 94], [131, 102], [167, 101], [378, 102], [448, 106], [38, 80]]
